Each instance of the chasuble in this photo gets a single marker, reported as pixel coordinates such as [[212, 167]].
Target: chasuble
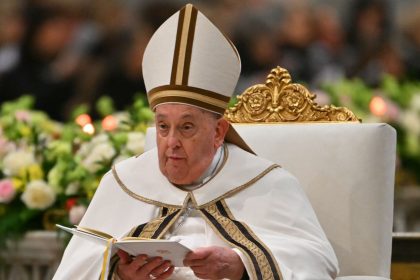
[[250, 205]]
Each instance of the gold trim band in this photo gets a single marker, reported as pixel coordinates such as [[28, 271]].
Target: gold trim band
[[240, 236], [183, 45], [162, 97], [241, 187], [139, 197]]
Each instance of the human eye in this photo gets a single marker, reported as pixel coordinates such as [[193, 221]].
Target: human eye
[[162, 127], [187, 129], [187, 126]]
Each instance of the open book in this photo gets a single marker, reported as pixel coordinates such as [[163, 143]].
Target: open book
[[167, 249]]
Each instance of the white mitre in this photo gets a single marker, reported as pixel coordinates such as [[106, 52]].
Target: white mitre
[[189, 61]]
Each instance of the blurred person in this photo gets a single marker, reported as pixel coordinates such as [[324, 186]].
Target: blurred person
[[327, 52], [369, 36], [243, 217], [110, 66], [39, 72], [11, 33], [296, 34], [410, 40], [253, 36]]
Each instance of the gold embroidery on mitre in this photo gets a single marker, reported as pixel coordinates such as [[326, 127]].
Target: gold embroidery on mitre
[[183, 45], [259, 260], [167, 94], [280, 100]]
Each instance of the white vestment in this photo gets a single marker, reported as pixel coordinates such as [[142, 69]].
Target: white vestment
[[250, 205]]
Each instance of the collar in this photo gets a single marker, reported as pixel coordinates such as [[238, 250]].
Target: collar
[[140, 177]]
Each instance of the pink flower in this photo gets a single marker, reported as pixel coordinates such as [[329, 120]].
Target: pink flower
[[7, 191], [23, 115], [76, 214]]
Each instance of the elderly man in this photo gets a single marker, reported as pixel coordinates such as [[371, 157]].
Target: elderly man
[[243, 216]]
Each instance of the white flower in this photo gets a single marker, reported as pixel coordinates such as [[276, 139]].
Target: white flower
[[415, 102], [72, 188], [135, 142], [76, 214], [15, 161], [121, 117], [38, 195], [86, 148], [101, 152], [411, 121]]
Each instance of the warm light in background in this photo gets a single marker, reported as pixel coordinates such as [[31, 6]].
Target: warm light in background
[[109, 123], [88, 129], [83, 120], [378, 106]]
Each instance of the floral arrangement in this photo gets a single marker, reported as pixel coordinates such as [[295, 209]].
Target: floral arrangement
[[49, 171], [394, 102]]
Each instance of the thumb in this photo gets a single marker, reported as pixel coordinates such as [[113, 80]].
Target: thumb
[[200, 253], [124, 257]]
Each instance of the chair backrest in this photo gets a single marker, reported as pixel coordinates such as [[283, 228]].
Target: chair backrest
[[346, 168]]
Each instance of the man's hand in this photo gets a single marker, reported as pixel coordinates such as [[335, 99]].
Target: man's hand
[[215, 263], [143, 268]]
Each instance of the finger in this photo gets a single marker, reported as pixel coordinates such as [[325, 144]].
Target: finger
[[152, 264], [166, 274], [200, 253], [138, 262], [196, 263], [124, 257], [161, 269]]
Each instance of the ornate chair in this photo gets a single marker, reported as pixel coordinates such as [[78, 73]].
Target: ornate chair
[[346, 168]]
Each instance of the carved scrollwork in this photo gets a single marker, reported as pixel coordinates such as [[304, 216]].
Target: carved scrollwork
[[280, 100]]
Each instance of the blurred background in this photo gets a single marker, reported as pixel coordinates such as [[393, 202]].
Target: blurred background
[[66, 53], [363, 54], [72, 97]]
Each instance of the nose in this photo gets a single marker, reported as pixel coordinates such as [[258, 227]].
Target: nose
[[173, 139]]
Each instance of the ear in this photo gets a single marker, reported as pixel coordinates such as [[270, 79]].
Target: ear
[[221, 130]]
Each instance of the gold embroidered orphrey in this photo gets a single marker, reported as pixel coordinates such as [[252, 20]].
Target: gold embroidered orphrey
[[280, 100]]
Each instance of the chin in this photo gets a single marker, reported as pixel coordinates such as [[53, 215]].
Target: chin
[[174, 177], [178, 181]]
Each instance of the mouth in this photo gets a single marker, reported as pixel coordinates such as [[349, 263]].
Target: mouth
[[175, 158]]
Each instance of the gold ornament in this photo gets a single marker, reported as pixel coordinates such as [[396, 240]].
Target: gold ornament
[[280, 100]]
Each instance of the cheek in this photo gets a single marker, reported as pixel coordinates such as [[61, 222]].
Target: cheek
[[161, 143], [161, 146], [198, 149]]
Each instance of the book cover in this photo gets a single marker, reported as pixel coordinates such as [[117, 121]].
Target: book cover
[[167, 249]]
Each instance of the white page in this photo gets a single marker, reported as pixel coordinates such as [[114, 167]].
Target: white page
[[167, 249]]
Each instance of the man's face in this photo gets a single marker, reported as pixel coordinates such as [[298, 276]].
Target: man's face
[[187, 139]]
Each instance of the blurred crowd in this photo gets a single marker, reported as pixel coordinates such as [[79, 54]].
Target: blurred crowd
[[71, 52]]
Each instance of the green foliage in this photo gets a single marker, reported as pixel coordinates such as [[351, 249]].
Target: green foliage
[[105, 106], [402, 100], [58, 158]]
